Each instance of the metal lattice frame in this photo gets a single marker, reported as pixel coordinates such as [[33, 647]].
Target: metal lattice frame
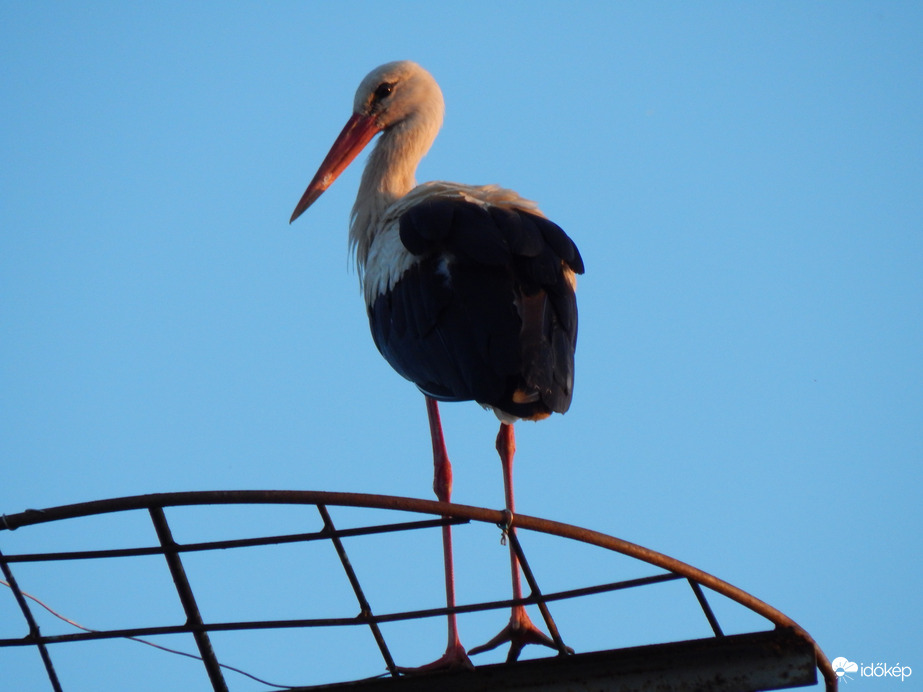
[[446, 513]]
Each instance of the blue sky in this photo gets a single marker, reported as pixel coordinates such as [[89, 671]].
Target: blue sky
[[744, 180]]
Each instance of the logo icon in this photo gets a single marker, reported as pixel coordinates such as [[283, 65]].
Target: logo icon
[[842, 666]]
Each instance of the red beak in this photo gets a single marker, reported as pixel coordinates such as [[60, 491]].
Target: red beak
[[358, 132]]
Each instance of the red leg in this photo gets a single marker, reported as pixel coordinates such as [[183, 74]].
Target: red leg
[[454, 655], [520, 630]]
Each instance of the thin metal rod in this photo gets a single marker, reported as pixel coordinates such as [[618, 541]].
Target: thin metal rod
[[706, 608], [340, 622], [364, 608], [186, 597], [34, 634], [536, 592], [612, 586], [236, 543]]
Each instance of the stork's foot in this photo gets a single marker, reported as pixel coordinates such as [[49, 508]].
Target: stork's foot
[[454, 658], [519, 632]]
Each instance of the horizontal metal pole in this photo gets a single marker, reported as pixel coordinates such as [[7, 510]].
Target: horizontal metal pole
[[362, 619], [737, 663], [321, 535]]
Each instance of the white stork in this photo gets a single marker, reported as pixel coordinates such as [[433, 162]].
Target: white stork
[[469, 290]]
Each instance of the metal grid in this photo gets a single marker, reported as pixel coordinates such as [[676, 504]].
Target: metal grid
[[445, 513]]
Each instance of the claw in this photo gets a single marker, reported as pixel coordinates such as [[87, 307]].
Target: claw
[[454, 658], [519, 632]]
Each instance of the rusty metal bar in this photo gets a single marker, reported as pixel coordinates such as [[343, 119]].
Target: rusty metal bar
[[737, 663], [236, 543], [365, 610], [186, 597], [35, 637], [612, 586], [11, 522], [340, 622]]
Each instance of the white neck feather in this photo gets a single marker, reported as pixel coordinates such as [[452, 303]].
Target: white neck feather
[[390, 174]]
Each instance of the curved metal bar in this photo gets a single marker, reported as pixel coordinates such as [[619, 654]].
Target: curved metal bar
[[388, 502]]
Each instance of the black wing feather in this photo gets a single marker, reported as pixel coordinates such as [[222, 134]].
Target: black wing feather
[[486, 313]]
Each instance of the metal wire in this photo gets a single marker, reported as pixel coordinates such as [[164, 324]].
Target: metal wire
[[447, 512]]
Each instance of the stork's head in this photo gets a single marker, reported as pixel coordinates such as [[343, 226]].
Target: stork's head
[[399, 97]]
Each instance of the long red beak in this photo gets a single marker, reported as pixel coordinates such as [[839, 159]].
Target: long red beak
[[358, 132]]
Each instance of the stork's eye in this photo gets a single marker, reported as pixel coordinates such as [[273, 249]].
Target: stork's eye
[[383, 91]]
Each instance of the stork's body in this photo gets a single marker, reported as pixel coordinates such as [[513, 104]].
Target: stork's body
[[469, 290]]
